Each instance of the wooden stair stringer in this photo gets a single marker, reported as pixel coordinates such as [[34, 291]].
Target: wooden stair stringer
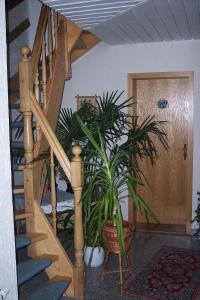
[[51, 246]]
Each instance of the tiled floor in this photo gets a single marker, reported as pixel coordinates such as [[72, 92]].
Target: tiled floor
[[143, 248]]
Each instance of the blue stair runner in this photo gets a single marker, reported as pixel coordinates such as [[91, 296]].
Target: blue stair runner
[[28, 269], [17, 145], [14, 106], [17, 125], [15, 167], [53, 291], [13, 90], [21, 242]]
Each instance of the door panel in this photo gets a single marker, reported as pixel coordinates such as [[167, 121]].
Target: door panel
[[169, 182]]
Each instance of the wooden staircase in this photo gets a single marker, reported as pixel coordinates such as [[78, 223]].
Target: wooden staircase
[[42, 74]]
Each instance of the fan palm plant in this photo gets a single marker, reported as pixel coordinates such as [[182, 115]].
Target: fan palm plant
[[108, 174], [113, 143]]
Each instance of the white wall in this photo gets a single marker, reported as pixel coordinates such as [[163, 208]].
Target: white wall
[[14, 18], [106, 68], [8, 278], [33, 14]]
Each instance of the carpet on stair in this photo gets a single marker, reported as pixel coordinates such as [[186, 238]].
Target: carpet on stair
[[52, 291], [28, 269], [21, 242]]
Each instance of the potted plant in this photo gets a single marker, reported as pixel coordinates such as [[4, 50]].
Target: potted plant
[[197, 218], [100, 130], [109, 175]]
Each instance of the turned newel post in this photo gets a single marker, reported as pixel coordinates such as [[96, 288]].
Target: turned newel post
[[24, 78], [25, 108], [77, 185]]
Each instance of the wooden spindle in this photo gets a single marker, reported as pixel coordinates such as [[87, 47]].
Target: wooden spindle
[[55, 22], [44, 74], [50, 44], [53, 192], [77, 185], [37, 96]]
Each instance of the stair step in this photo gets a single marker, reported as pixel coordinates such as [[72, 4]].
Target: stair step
[[21, 242], [28, 269], [34, 237], [20, 125], [52, 257], [17, 167], [18, 189], [17, 124], [60, 278], [13, 90], [22, 214], [14, 106], [17, 145], [53, 291]]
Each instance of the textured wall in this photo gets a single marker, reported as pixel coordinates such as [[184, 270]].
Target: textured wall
[[7, 243], [106, 68]]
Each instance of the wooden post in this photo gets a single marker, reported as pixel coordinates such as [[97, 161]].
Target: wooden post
[[44, 73], [25, 87], [50, 44], [55, 22], [53, 192], [37, 96], [68, 74], [77, 185]]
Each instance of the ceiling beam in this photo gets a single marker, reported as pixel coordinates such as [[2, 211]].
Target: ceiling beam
[[90, 40], [73, 34]]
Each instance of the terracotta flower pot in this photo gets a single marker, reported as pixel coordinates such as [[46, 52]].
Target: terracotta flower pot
[[111, 239]]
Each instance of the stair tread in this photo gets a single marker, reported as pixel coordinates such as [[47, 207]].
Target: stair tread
[[18, 189], [52, 291], [34, 236], [22, 214], [20, 124], [18, 167], [60, 278], [21, 242], [52, 257], [13, 90], [28, 269], [17, 124], [14, 106], [17, 145]]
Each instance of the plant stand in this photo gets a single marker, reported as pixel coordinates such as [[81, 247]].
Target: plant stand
[[120, 269], [112, 246]]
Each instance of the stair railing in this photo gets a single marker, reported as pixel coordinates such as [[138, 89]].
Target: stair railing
[[36, 95], [74, 173]]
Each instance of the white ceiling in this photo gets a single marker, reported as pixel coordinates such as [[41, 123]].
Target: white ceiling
[[134, 21]]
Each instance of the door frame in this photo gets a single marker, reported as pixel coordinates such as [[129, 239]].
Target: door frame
[[132, 91]]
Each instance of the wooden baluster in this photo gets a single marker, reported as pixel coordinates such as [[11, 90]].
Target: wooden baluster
[[44, 74], [77, 185], [55, 19], [53, 192], [25, 77], [50, 44], [37, 96]]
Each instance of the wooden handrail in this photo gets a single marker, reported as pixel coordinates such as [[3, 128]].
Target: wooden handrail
[[38, 40], [50, 136]]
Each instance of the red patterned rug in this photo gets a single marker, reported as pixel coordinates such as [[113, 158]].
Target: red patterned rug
[[172, 274]]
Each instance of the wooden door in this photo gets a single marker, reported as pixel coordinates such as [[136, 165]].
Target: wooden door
[[169, 192]]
